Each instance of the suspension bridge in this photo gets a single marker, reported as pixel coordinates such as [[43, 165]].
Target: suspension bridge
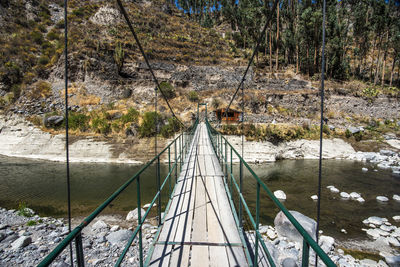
[[207, 220]]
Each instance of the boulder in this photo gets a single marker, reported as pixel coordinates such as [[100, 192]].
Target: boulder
[[396, 197], [99, 225], [396, 218], [21, 242], [119, 236], [354, 195], [133, 214], [279, 194], [344, 195], [326, 243], [360, 199], [334, 190], [376, 220], [382, 199], [53, 121], [353, 130], [393, 261], [285, 228], [289, 262]]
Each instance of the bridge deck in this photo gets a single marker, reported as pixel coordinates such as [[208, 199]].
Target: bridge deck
[[199, 229]]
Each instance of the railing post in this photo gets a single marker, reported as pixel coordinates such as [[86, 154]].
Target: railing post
[[306, 252], [169, 171], [176, 162], [139, 204], [255, 264], [230, 186], [240, 187], [181, 151], [159, 191], [226, 159], [79, 251]]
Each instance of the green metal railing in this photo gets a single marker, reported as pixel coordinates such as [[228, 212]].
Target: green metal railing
[[225, 153], [181, 145]]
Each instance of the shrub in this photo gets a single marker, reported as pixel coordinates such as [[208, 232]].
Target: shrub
[[53, 35], [78, 121], [147, 128], [23, 210], [215, 103], [101, 125], [42, 89], [193, 96], [167, 89], [44, 60], [131, 116], [170, 128], [37, 37]]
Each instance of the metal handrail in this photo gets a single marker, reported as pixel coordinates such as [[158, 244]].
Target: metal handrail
[[183, 140], [220, 145]]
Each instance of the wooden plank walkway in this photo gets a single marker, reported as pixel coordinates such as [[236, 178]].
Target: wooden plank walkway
[[199, 228]]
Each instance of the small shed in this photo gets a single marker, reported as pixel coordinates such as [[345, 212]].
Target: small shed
[[231, 116]]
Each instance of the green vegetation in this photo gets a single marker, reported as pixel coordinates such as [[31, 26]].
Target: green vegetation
[[78, 121], [31, 223], [193, 96], [167, 89], [276, 133], [170, 128], [23, 210], [148, 126]]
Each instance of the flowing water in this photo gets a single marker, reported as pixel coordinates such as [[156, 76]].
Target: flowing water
[[41, 185]]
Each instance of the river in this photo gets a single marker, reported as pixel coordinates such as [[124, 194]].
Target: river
[[41, 185]]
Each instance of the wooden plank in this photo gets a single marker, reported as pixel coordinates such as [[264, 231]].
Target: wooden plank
[[200, 213], [161, 255], [199, 256], [218, 256]]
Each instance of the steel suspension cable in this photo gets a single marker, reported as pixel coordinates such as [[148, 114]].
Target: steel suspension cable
[[125, 14], [321, 126], [260, 38], [66, 122]]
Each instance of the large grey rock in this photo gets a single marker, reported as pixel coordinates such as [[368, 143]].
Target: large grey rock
[[119, 236], [353, 130], [326, 243], [21, 242], [393, 261], [285, 228], [133, 214], [289, 262], [99, 225], [53, 121]]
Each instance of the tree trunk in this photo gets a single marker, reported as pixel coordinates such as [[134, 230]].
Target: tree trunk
[[266, 43], [270, 48], [308, 60], [378, 63], [277, 39], [391, 73], [384, 58], [297, 57], [373, 59]]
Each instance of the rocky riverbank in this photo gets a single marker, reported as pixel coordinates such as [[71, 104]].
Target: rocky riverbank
[[26, 240]]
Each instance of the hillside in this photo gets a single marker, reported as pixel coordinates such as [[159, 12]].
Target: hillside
[[111, 92]]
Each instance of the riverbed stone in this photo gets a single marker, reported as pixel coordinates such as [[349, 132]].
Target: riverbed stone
[[279, 194], [285, 228], [374, 233], [354, 195], [393, 261], [364, 169], [382, 199], [119, 236], [396, 197], [376, 220], [334, 190], [326, 243], [360, 199], [21, 242], [133, 214], [314, 197], [289, 262], [396, 218], [344, 195], [99, 225], [393, 241]]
